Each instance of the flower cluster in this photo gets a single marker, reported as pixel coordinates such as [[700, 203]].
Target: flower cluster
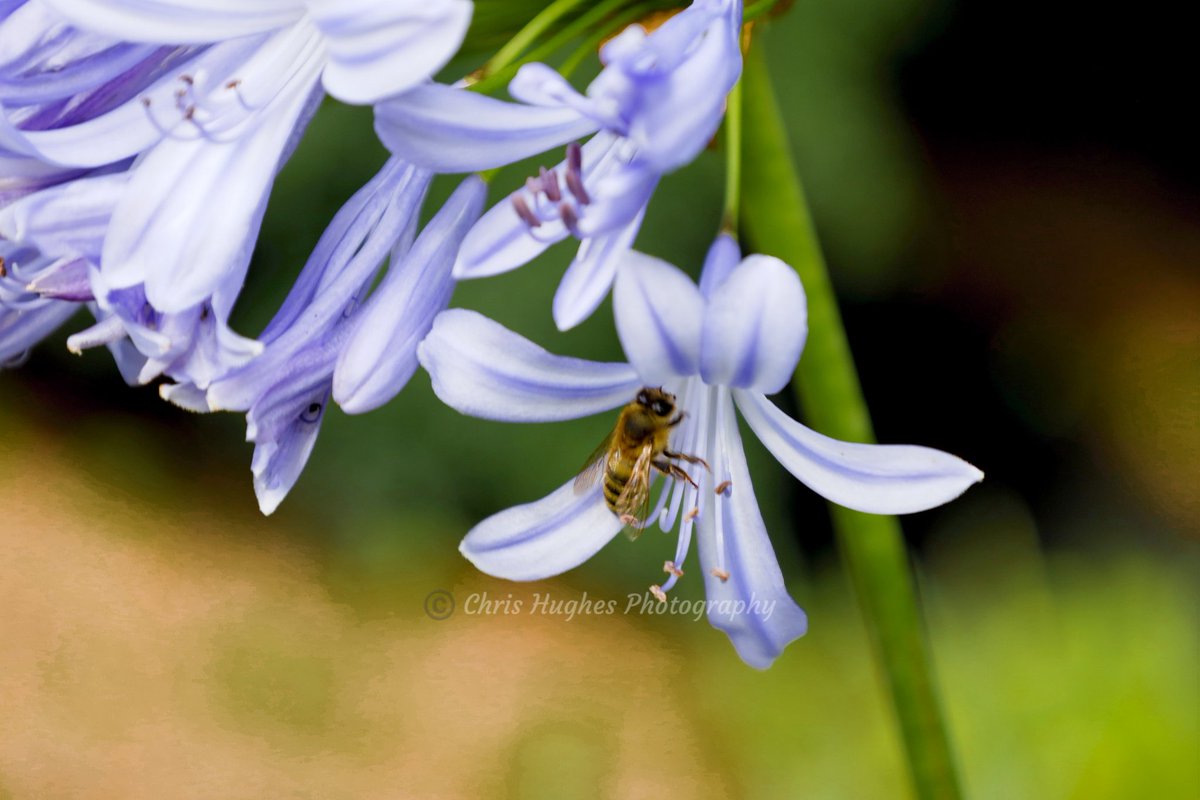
[[138, 147]]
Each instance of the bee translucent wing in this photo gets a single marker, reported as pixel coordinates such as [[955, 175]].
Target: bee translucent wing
[[633, 504], [593, 468]]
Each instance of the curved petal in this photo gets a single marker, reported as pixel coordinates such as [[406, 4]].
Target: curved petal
[[163, 235], [282, 450], [450, 129], [754, 327], [751, 604], [722, 258], [877, 479], [381, 354], [543, 538], [501, 241], [658, 312], [379, 48], [70, 219], [178, 21], [587, 281], [481, 368]]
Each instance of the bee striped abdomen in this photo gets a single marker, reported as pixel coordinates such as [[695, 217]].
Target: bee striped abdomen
[[616, 475]]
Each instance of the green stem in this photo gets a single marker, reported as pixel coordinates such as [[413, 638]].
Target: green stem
[[777, 221], [525, 37], [733, 160]]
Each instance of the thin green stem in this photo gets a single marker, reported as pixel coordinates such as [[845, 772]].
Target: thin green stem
[[776, 220], [733, 160], [592, 43], [495, 74], [525, 37]]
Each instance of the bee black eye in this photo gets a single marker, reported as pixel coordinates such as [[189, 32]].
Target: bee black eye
[[661, 408]]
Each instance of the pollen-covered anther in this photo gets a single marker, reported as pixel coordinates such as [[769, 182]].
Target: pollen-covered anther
[[3, 269], [720, 574], [723, 488], [691, 515], [233, 84], [669, 567], [188, 79], [658, 593]]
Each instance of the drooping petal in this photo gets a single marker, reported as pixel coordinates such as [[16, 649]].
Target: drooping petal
[[178, 21], [379, 48], [587, 281], [878, 479], [479, 367], [658, 312], [751, 604], [381, 354], [284, 430], [450, 129], [543, 538], [754, 327]]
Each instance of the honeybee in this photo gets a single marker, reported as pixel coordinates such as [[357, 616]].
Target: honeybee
[[637, 444]]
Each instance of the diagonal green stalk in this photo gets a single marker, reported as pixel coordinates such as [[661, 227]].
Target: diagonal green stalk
[[775, 220]]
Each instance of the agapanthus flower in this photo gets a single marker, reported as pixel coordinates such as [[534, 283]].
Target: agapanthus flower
[[657, 102], [330, 336], [209, 99], [723, 345]]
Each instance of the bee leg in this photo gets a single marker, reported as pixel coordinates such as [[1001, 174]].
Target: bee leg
[[687, 458], [677, 420], [674, 471]]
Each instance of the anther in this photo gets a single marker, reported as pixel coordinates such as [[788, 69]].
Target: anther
[[566, 212], [187, 79], [549, 184], [574, 174], [691, 515], [670, 568], [146, 102], [523, 211], [233, 84], [3, 269], [720, 573], [189, 112], [723, 487], [658, 593]]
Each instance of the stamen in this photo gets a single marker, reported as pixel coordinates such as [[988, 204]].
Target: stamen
[[570, 219], [3, 269], [691, 515], [658, 593], [187, 79], [549, 184], [721, 574], [233, 84], [189, 112], [723, 488], [669, 567], [145, 102], [523, 211], [574, 176]]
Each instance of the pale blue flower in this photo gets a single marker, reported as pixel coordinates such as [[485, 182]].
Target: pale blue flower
[[723, 345], [207, 99], [330, 337], [657, 103]]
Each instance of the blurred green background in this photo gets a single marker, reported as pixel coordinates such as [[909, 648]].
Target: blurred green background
[[1017, 268]]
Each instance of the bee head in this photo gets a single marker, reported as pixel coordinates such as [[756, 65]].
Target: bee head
[[656, 401]]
